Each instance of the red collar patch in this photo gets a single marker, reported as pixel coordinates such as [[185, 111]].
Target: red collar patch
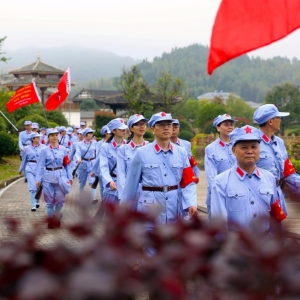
[[178, 141], [240, 171], [114, 144], [265, 138], [157, 148], [132, 145], [222, 144]]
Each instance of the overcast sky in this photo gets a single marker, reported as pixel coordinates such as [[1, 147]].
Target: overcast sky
[[137, 28]]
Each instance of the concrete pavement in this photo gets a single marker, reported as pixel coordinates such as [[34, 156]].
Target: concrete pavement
[[15, 203]]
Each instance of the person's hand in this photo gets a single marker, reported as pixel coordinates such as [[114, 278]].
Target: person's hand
[[193, 211], [22, 149], [20, 173], [112, 185], [78, 161], [92, 174], [37, 184]]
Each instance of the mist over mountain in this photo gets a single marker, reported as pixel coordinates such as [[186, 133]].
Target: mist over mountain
[[86, 63]]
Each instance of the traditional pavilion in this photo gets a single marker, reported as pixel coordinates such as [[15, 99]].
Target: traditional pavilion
[[44, 76]]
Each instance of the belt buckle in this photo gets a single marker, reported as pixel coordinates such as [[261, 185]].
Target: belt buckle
[[165, 188]]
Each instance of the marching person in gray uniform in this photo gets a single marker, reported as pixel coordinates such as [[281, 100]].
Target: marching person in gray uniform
[[161, 168], [24, 141], [108, 159], [245, 193], [85, 156], [273, 155], [105, 132], [218, 155], [137, 125], [185, 144], [29, 163], [54, 173]]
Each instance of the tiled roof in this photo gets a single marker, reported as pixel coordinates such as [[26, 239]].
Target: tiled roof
[[37, 66]]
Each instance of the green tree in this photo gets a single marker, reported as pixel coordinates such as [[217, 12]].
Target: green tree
[[208, 111], [236, 107], [57, 117], [135, 91], [287, 98], [89, 105], [169, 90], [3, 58]]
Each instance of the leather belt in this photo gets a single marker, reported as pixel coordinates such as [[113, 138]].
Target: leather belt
[[54, 169], [89, 159], [164, 189], [113, 175], [32, 161]]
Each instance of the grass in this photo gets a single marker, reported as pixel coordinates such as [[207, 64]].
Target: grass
[[9, 166]]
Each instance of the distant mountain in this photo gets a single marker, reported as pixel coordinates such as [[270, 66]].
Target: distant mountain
[[250, 78], [86, 64]]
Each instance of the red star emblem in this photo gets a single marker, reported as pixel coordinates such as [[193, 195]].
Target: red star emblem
[[163, 114], [226, 115], [121, 120], [136, 115], [248, 130]]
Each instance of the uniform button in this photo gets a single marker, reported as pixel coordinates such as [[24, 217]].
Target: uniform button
[[236, 195], [166, 198], [144, 200], [252, 202], [267, 193], [254, 216], [150, 166], [249, 176], [165, 174]]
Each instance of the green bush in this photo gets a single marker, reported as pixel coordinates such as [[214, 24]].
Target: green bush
[[296, 164], [8, 145], [186, 135], [294, 131], [148, 136], [57, 117], [33, 118], [102, 118], [209, 128], [51, 124], [2, 124]]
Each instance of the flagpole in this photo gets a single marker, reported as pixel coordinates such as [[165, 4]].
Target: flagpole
[[8, 121]]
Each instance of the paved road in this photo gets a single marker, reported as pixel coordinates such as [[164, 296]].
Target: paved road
[[14, 202]]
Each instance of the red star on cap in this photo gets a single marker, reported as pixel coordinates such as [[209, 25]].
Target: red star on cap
[[163, 114], [121, 120], [226, 115], [136, 115], [248, 130]]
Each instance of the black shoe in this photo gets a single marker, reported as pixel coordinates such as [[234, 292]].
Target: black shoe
[[25, 180], [37, 205], [33, 209], [95, 201]]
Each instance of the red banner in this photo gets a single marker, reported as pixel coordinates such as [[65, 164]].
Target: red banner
[[63, 89], [245, 25], [23, 96]]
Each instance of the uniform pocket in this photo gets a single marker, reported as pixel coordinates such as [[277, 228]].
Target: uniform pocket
[[266, 194], [177, 171], [236, 200]]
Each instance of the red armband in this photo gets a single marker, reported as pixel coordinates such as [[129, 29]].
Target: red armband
[[66, 161], [193, 162], [277, 212], [69, 143], [288, 168], [188, 177]]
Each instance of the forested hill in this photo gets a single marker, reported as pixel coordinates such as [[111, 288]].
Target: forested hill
[[247, 77]]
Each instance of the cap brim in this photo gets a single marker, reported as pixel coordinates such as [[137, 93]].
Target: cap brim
[[282, 114], [123, 127]]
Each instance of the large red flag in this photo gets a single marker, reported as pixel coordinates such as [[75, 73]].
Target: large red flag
[[63, 90], [23, 96], [245, 25]]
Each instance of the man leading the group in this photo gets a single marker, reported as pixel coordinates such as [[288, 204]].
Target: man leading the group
[[163, 170], [273, 155]]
